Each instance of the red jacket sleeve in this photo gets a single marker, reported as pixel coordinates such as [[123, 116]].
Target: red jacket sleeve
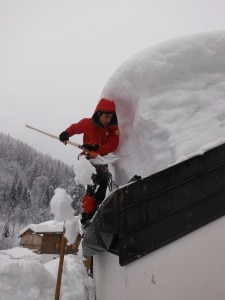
[[78, 128]]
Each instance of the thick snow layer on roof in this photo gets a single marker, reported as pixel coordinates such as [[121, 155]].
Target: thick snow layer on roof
[[170, 103], [49, 226]]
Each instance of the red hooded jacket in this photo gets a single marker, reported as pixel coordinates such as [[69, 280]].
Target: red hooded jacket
[[94, 133]]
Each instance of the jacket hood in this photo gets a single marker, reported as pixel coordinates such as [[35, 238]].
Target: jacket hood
[[106, 105]]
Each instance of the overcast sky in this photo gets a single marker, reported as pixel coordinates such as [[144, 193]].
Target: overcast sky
[[56, 56]]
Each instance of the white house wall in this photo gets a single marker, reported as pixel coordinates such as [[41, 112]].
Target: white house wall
[[191, 268]]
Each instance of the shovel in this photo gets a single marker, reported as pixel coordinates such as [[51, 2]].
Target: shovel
[[97, 158]]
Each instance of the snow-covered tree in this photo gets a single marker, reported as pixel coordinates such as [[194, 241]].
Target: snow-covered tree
[[27, 183]]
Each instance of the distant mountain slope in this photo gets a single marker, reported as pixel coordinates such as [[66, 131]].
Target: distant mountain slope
[[27, 182]]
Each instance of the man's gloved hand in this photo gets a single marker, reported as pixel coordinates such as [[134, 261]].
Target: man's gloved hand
[[64, 137], [90, 147]]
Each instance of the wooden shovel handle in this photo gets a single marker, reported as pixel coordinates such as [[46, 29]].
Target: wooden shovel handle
[[52, 135], [93, 153]]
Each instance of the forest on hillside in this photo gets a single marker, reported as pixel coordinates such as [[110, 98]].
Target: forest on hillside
[[28, 180]]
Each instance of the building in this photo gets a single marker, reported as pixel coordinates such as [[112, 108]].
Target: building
[[45, 238], [161, 237]]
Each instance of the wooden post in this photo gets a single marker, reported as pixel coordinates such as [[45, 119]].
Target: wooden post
[[89, 264], [61, 260]]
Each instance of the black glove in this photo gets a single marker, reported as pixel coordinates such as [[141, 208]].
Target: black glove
[[64, 137], [86, 218], [90, 147]]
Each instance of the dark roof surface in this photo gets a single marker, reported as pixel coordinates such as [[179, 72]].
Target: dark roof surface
[[149, 213]]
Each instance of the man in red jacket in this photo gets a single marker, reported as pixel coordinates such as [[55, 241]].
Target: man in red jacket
[[100, 134]]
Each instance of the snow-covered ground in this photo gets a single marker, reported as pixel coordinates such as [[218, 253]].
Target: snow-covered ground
[[23, 276]]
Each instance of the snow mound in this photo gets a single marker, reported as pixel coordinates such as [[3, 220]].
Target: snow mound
[[24, 279], [19, 253], [170, 101]]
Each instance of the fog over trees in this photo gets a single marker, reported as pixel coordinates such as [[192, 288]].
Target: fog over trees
[[28, 180]]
